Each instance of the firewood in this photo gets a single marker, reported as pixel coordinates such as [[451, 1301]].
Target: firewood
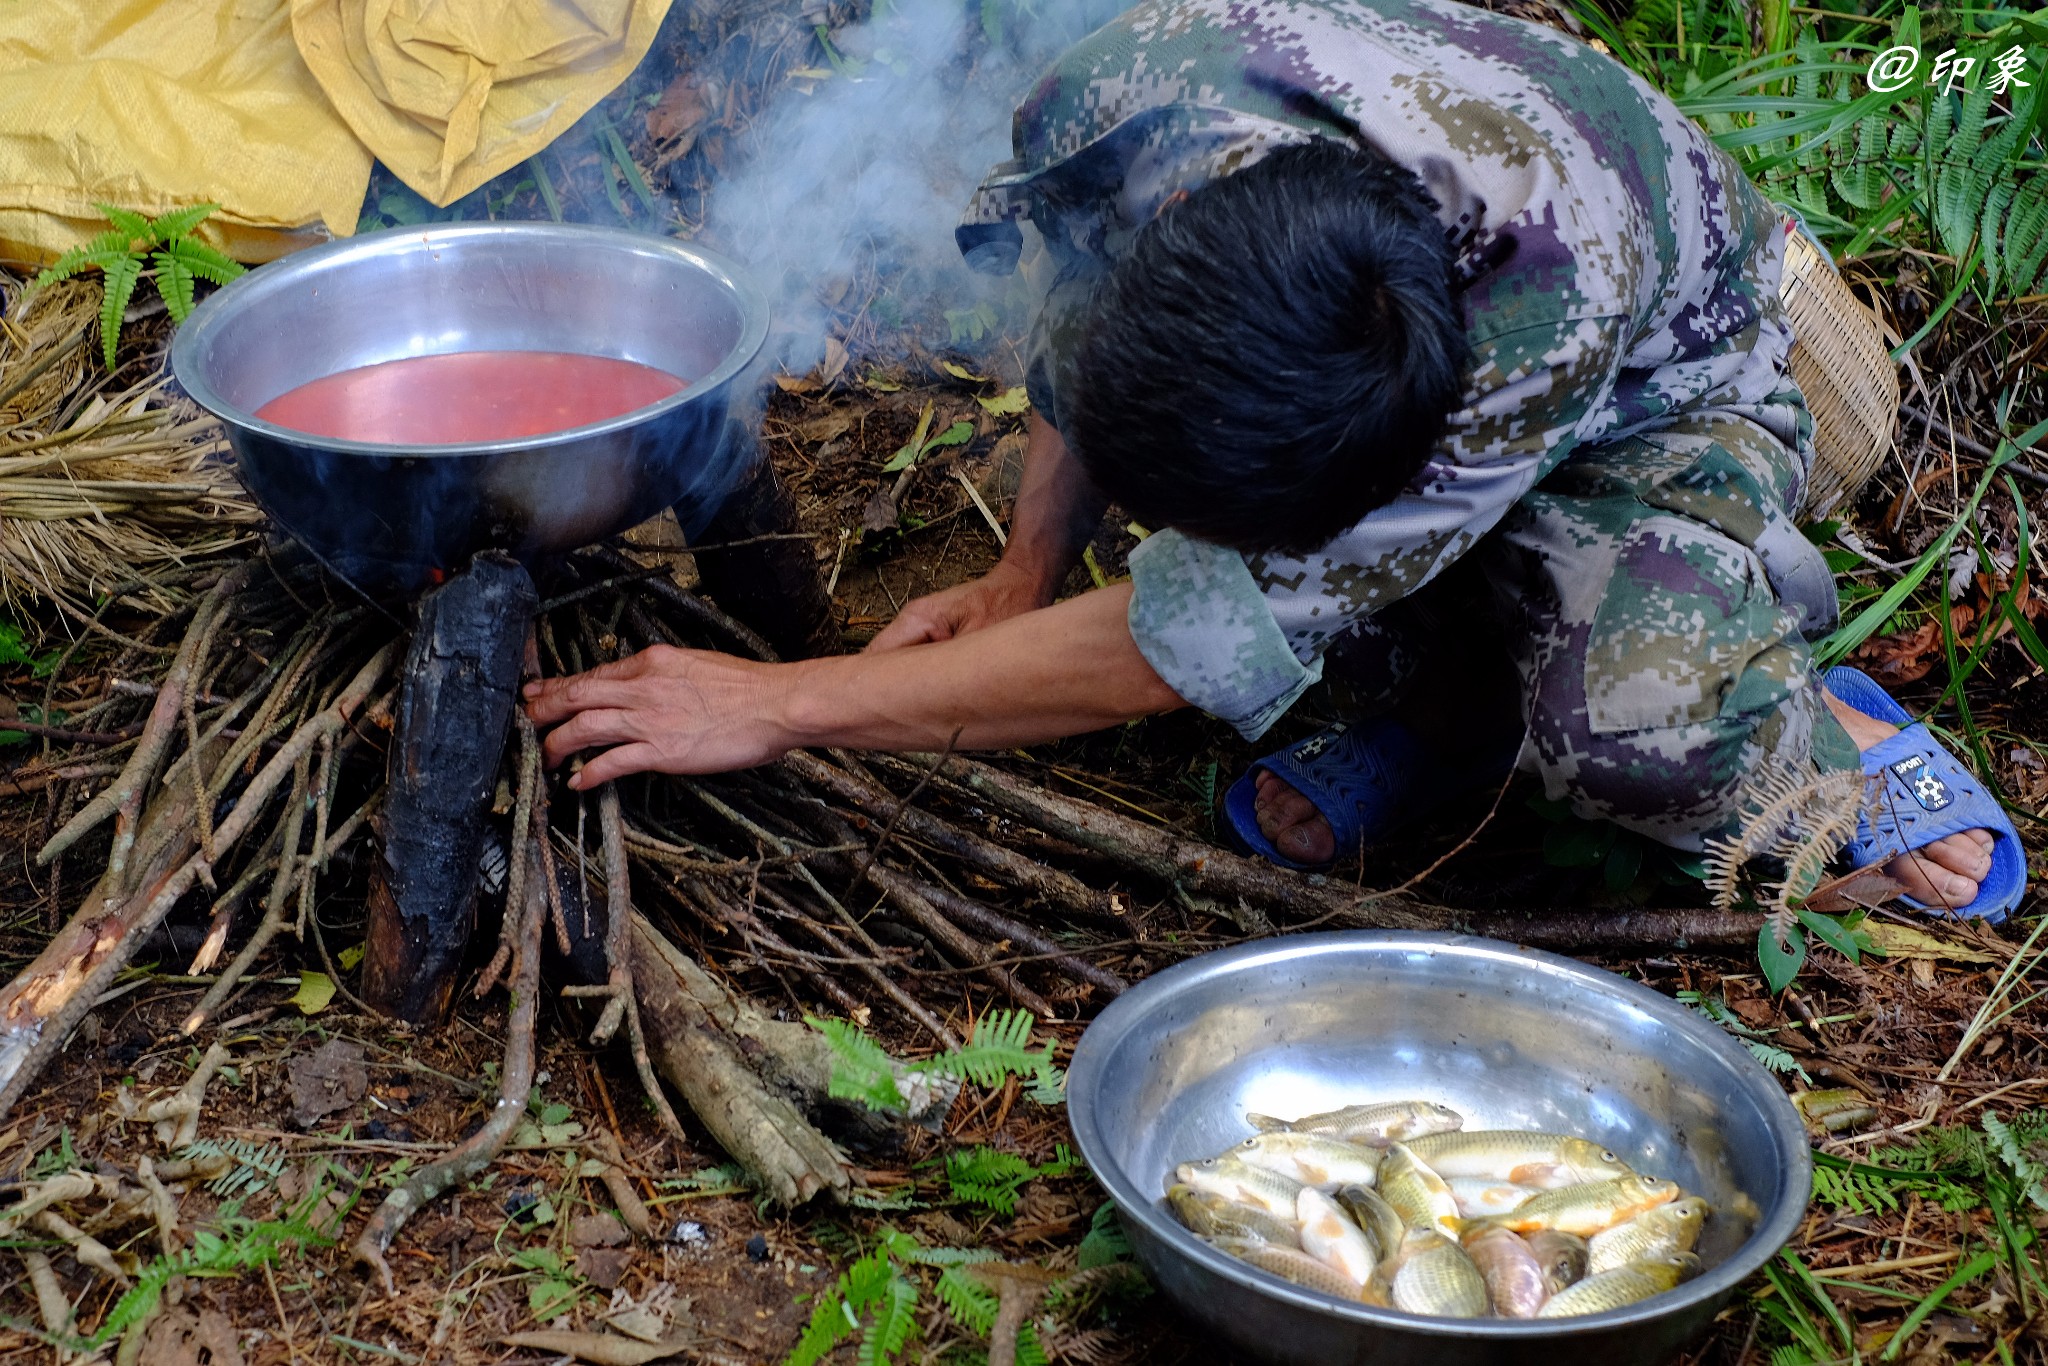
[[460, 681]]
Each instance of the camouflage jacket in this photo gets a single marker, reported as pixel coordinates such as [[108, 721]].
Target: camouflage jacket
[[1626, 272]]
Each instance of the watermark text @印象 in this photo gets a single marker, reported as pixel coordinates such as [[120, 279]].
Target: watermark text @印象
[[1895, 68]]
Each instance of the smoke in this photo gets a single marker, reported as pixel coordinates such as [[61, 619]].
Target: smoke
[[849, 188]]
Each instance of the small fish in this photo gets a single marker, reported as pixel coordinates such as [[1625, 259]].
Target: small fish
[[1328, 1235], [1622, 1286], [1214, 1216], [1419, 1195], [1545, 1161], [1561, 1255], [1370, 1211], [1292, 1264], [1478, 1195], [1587, 1210], [1436, 1277], [1377, 1123], [1310, 1159], [1514, 1278], [1238, 1180], [1669, 1228]]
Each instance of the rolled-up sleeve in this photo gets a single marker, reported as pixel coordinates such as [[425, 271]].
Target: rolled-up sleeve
[[1204, 626]]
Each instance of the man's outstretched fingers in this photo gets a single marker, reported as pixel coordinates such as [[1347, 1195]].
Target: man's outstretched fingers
[[617, 762], [588, 730]]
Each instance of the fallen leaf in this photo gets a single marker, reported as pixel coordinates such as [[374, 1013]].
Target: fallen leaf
[[962, 372], [599, 1229], [1008, 403], [1863, 887], [605, 1349], [350, 956], [835, 360], [824, 427], [681, 112], [330, 1078], [880, 514], [1904, 941], [316, 989], [177, 1337], [604, 1267], [797, 384]]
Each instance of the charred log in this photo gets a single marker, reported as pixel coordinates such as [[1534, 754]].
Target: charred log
[[460, 681]]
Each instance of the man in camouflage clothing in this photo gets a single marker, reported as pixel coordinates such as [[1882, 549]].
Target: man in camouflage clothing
[[1610, 497]]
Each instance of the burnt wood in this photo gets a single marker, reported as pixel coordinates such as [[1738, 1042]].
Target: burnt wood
[[460, 682]]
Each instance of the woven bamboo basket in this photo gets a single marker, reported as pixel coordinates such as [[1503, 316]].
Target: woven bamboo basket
[[1840, 363]]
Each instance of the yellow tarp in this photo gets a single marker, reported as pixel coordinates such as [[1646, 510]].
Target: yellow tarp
[[274, 108], [448, 93], [156, 104]]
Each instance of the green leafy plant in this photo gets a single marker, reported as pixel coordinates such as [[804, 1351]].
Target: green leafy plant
[[873, 1298], [256, 1164], [56, 1159], [124, 253], [921, 445], [1756, 1041], [1000, 1048], [237, 1244], [993, 1179], [556, 1288]]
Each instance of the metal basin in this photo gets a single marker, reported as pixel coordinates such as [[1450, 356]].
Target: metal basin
[[390, 516], [1514, 1038]]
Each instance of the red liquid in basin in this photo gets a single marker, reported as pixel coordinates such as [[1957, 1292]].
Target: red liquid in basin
[[469, 396]]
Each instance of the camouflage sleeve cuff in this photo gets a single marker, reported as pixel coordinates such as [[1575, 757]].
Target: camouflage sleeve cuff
[[1203, 625]]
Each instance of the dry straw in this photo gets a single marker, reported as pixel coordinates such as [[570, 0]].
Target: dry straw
[[98, 490]]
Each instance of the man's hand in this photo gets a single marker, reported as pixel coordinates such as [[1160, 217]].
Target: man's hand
[[1005, 591], [666, 710]]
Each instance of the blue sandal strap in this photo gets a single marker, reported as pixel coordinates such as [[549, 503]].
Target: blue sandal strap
[[1365, 778], [1925, 793]]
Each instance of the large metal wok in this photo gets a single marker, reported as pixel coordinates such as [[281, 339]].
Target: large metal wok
[[390, 517]]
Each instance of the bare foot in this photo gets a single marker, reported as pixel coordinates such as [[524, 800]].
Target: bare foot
[[1292, 822], [1944, 873]]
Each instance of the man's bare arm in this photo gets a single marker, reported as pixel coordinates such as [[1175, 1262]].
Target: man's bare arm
[[1037, 676]]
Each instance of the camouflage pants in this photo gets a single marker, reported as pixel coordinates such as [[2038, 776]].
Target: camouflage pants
[[1655, 597]]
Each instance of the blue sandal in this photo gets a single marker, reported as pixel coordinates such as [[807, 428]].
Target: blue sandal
[[1365, 778], [1927, 793]]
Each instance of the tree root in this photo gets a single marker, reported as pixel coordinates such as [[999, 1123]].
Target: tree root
[[516, 1082]]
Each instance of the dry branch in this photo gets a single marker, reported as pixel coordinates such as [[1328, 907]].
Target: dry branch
[[682, 1007]]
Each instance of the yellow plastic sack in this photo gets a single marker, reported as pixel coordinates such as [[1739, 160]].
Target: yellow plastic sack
[[156, 104], [449, 93]]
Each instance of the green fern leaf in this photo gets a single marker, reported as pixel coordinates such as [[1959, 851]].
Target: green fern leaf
[[861, 1069], [174, 283], [894, 1322], [179, 222], [101, 251], [2024, 246], [972, 1304], [829, 1326], [988, 1177], [131, 225], [204, 261], [999, 1050], [1029, 1351], [120, 288]]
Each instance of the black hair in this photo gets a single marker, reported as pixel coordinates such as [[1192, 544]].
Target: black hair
[[1277, 354]]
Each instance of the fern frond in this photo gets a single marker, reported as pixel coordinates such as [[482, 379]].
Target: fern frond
[[131, 226], [174, 283], [999, 1049], [179, 222], [894, 1322], [100, 252], [972, 1305], [120, 288], [204, 261], [861, 1068]]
